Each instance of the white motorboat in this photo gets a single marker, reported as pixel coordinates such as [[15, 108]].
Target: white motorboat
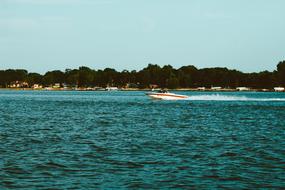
[[165, 95]]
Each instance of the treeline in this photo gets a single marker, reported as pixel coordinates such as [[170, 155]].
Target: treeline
[[163, 77]]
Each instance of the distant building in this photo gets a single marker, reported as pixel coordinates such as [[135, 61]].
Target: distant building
[[279, 89], [18, 84], [243, 88], [37, 86], [56, 85]]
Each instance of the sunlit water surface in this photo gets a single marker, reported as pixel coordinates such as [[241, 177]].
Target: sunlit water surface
[[87, 140]]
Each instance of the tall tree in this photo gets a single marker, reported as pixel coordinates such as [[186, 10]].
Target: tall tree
[[85, 76], [53, 77], [34, 78], [281, 73]]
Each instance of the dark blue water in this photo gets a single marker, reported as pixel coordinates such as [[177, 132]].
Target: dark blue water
[[124, 140]]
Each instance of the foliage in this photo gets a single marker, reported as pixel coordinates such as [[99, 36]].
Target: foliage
[[164, 77], [281, 73]]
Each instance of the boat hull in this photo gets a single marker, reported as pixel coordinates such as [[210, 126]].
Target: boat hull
[[166, 96]]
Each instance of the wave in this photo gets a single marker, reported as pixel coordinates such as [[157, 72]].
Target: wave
[[218, 97]]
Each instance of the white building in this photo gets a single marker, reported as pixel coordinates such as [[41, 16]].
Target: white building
[[37, 86]]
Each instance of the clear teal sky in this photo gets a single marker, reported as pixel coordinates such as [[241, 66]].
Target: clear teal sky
[[42, 35]]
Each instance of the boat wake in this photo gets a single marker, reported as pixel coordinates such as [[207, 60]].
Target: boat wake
[[218, 97]]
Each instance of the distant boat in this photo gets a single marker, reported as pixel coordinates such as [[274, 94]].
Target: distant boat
[[201, 88], [165, 95], [243, 89], [111, 89], [216, 88], [279, 89]]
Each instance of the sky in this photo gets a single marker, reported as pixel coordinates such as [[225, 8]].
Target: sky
[[43, 35]]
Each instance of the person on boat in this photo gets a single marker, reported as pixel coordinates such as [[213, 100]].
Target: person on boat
[[163, 91]]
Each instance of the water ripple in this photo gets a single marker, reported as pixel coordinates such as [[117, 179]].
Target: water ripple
[[93, 140]]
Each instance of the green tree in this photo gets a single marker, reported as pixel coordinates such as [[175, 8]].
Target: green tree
[[172, 82], [188, 76], [34, 78], [281, 73], [52, 77], [85, 76], [71, 77]]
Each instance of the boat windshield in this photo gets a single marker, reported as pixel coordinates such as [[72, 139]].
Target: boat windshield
[[163, 91]]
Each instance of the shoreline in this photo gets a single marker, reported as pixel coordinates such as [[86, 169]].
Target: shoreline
[[146, 89]]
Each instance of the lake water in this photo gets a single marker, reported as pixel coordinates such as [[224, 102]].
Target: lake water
[[125, 140]]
